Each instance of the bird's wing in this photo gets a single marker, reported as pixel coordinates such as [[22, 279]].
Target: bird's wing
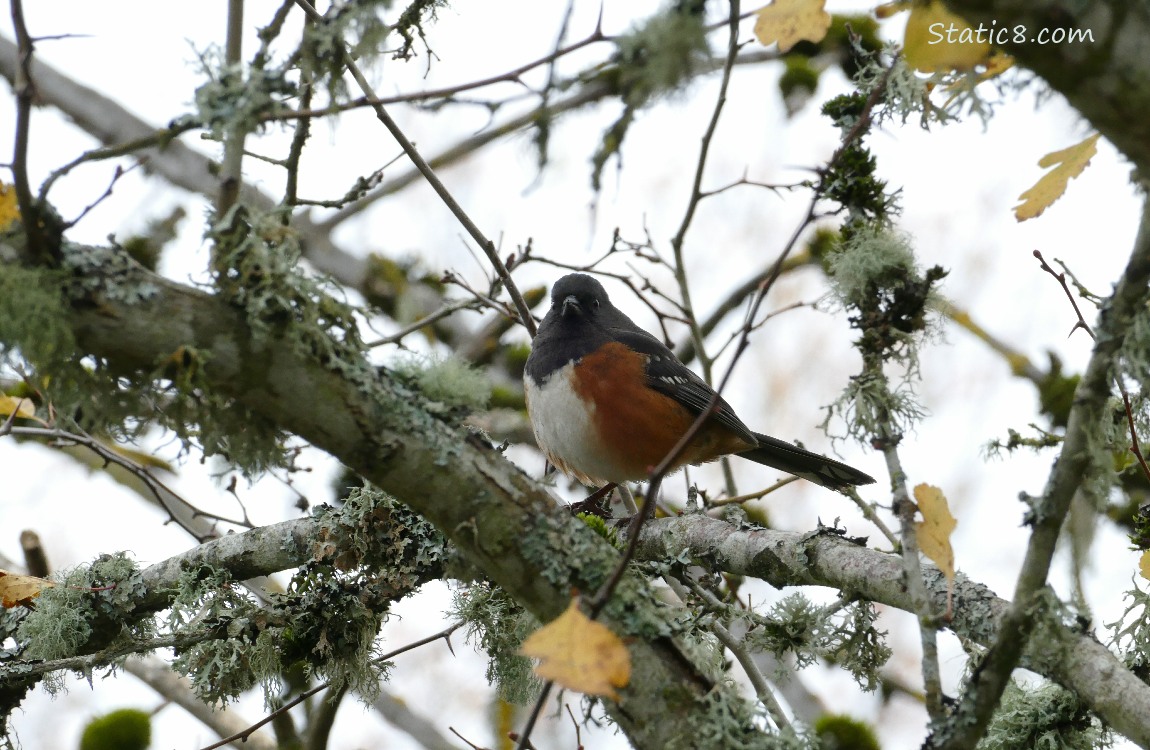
[[667, 375]]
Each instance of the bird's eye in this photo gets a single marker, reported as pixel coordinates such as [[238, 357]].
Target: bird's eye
[[594, 304]]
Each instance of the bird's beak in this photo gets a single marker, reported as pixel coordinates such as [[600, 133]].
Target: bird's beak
[[571, 305]]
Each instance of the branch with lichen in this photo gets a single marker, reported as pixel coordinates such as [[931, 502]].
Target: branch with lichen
[[1076, 465], [1058, 650], [371, 548], [410, 447]]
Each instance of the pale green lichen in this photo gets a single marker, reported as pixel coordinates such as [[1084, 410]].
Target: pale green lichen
[[89, 602], [1047, 717], [239, 98], [723, 719], [875, 279], [449, 381], [805, 631], [1130, 633], [658, 56], [497, 625]]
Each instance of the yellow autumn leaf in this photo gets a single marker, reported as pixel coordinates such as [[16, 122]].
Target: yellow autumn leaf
[[1144, 564], [1068, 164], [789, 22], [580, 654], [9, 210], [998, 63], [937, 40], [887, 10], [933, 533], [23, 407], [17, 589]]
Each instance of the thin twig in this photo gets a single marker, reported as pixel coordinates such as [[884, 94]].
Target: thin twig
[[739, 499], [511, 76], [25, 91], [241, 736], [231, 168], [449, 308], [680, 267], [433, 179], [1135, 446], [116, 175], [736, 647], [158, 489], [905, 509]]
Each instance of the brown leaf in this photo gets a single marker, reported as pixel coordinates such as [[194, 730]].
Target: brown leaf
[[20, 590]]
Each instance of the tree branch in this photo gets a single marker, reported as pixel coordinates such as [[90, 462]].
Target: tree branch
[[501, 520], [1073, 658]]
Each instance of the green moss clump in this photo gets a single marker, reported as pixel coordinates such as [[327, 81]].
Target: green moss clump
[[799, 76], [840, 732], [125, 729]]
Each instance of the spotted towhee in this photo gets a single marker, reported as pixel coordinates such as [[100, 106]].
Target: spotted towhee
[[608, 400]]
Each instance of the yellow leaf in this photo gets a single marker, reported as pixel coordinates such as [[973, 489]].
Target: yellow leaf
[[998, 63], [1068, 164], [935, 528], [20, 590], [147, 460], [9, 210], [1144, 564], [937, 40], [886, 10], [23, 407], [580, 654], [790, 21]]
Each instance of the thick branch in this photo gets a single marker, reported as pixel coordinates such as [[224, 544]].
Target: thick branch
[[1070, 657], [497, 517]]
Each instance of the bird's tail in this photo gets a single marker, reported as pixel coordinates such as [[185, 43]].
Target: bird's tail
[[792, 459]]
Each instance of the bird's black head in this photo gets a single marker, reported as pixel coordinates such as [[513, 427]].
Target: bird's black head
[[578, 294]]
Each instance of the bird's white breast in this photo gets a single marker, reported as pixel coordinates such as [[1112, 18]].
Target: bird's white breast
[[568, 435]]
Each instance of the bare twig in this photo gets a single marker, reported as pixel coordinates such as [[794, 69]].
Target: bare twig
[[116, 175], [433, 179], [514, 75], [157, 488], [1135, 446], [680, 267], [905, 509], [736, 647], [444, 634], [739, 499], [448, 308], [231, 168], [37, 243]]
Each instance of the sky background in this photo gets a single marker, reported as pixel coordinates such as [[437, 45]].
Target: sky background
[[958, 186]]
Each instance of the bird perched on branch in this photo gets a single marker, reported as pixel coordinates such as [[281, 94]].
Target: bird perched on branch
[[608, 401]]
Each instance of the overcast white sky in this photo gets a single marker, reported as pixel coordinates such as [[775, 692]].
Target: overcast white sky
[[958, 183]]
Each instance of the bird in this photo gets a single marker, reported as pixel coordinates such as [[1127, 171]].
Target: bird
[[608, 401]]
